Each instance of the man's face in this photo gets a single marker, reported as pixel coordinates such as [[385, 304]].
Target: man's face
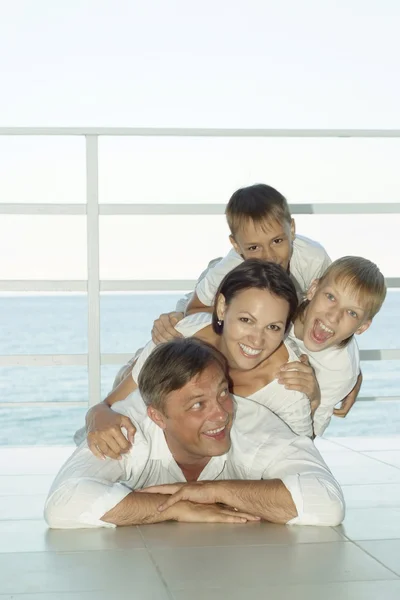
[[198, 417], [254, 326], [272, 241], [334, 314]]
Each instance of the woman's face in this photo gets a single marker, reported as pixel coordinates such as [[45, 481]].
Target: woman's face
[[254, 326]]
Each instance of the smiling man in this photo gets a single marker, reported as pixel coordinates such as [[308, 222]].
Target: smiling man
[[228, 463]]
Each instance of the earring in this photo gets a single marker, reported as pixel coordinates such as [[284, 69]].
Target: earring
[[219, 323]]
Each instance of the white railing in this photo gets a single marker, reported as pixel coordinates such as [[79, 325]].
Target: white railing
[[93, 286]]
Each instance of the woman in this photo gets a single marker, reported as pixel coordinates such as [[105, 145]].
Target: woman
[[254, 307]]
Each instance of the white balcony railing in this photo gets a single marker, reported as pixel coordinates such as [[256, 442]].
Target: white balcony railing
[[92, 209]]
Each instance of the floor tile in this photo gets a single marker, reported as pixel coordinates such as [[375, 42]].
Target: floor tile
[[352, 590], [325, 445], [33, 461], [121, 573], [372, 495], [175, 535], [365, 444], [349, 458], [243, 567], [25, 485], [386, 551], [355, 468], [390, 457], [371, 524], [34, 536], [21, 507]]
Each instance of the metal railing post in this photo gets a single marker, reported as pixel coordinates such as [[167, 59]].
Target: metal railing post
[[93, 285]]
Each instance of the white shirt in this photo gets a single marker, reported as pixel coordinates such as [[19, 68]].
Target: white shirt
[[291, 406], [308, 262], [262, 447], [336, 370]]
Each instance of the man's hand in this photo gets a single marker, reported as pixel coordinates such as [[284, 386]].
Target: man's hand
[[202, 492], [190, 512], [164, 327], [300, 376], [348, 402], [104, 435]]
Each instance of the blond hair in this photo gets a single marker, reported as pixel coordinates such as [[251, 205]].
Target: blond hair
[[360, 277]]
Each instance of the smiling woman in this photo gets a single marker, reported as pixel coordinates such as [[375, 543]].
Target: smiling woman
[[254, 307]]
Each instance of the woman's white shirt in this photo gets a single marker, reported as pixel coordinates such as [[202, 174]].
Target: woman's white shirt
[[291, 406]]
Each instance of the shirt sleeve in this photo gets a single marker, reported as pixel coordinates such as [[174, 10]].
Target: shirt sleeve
[[207, 287], [183, 302], [321, 266], [85, 489], [315, 492]]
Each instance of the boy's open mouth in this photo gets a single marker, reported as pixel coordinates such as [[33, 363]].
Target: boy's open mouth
[[320, 333]]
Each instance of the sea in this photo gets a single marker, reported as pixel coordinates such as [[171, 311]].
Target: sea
[[57, 324]]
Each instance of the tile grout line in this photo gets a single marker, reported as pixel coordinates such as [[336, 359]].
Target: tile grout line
[[377, 560], [155, 565], [370, 555]]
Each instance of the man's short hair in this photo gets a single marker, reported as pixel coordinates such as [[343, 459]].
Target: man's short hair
[[257, 203], [172, 365]]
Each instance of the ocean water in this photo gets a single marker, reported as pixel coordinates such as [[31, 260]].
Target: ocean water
[[57, 324]]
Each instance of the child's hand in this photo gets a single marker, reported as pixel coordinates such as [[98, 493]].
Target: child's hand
[[300, 376], [164, 327], [104, 434]]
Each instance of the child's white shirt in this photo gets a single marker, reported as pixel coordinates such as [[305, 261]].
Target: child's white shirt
[[337, 370], [308, 262]]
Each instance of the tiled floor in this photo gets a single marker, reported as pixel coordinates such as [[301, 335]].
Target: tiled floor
[[359, 560]]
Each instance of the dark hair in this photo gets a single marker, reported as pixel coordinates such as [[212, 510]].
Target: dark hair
[[172, 365], [259, 274], [257, 203]]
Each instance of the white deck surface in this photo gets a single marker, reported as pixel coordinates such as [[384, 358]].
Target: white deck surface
[[359, 560]]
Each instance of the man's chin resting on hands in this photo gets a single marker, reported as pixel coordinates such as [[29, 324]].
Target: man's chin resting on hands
[[196, 457]]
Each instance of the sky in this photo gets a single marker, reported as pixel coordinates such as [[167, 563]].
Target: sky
[[238, 63]]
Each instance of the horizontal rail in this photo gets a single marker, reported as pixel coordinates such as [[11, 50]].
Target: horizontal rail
[[80, 404], [349, 208], [40, 285], [81, 360], [117, 285], [201, 132]]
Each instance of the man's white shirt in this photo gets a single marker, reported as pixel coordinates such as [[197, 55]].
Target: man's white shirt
[[262, 447]]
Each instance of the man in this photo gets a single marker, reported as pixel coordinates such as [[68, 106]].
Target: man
[[226, 463]]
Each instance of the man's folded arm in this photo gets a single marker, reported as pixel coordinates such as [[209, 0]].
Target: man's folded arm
[[316, 494], [296, 488], [270, 500], [140, 509], [85, 489]]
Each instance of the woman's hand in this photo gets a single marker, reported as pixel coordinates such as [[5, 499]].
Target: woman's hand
[[300, 376], [104, 435]]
